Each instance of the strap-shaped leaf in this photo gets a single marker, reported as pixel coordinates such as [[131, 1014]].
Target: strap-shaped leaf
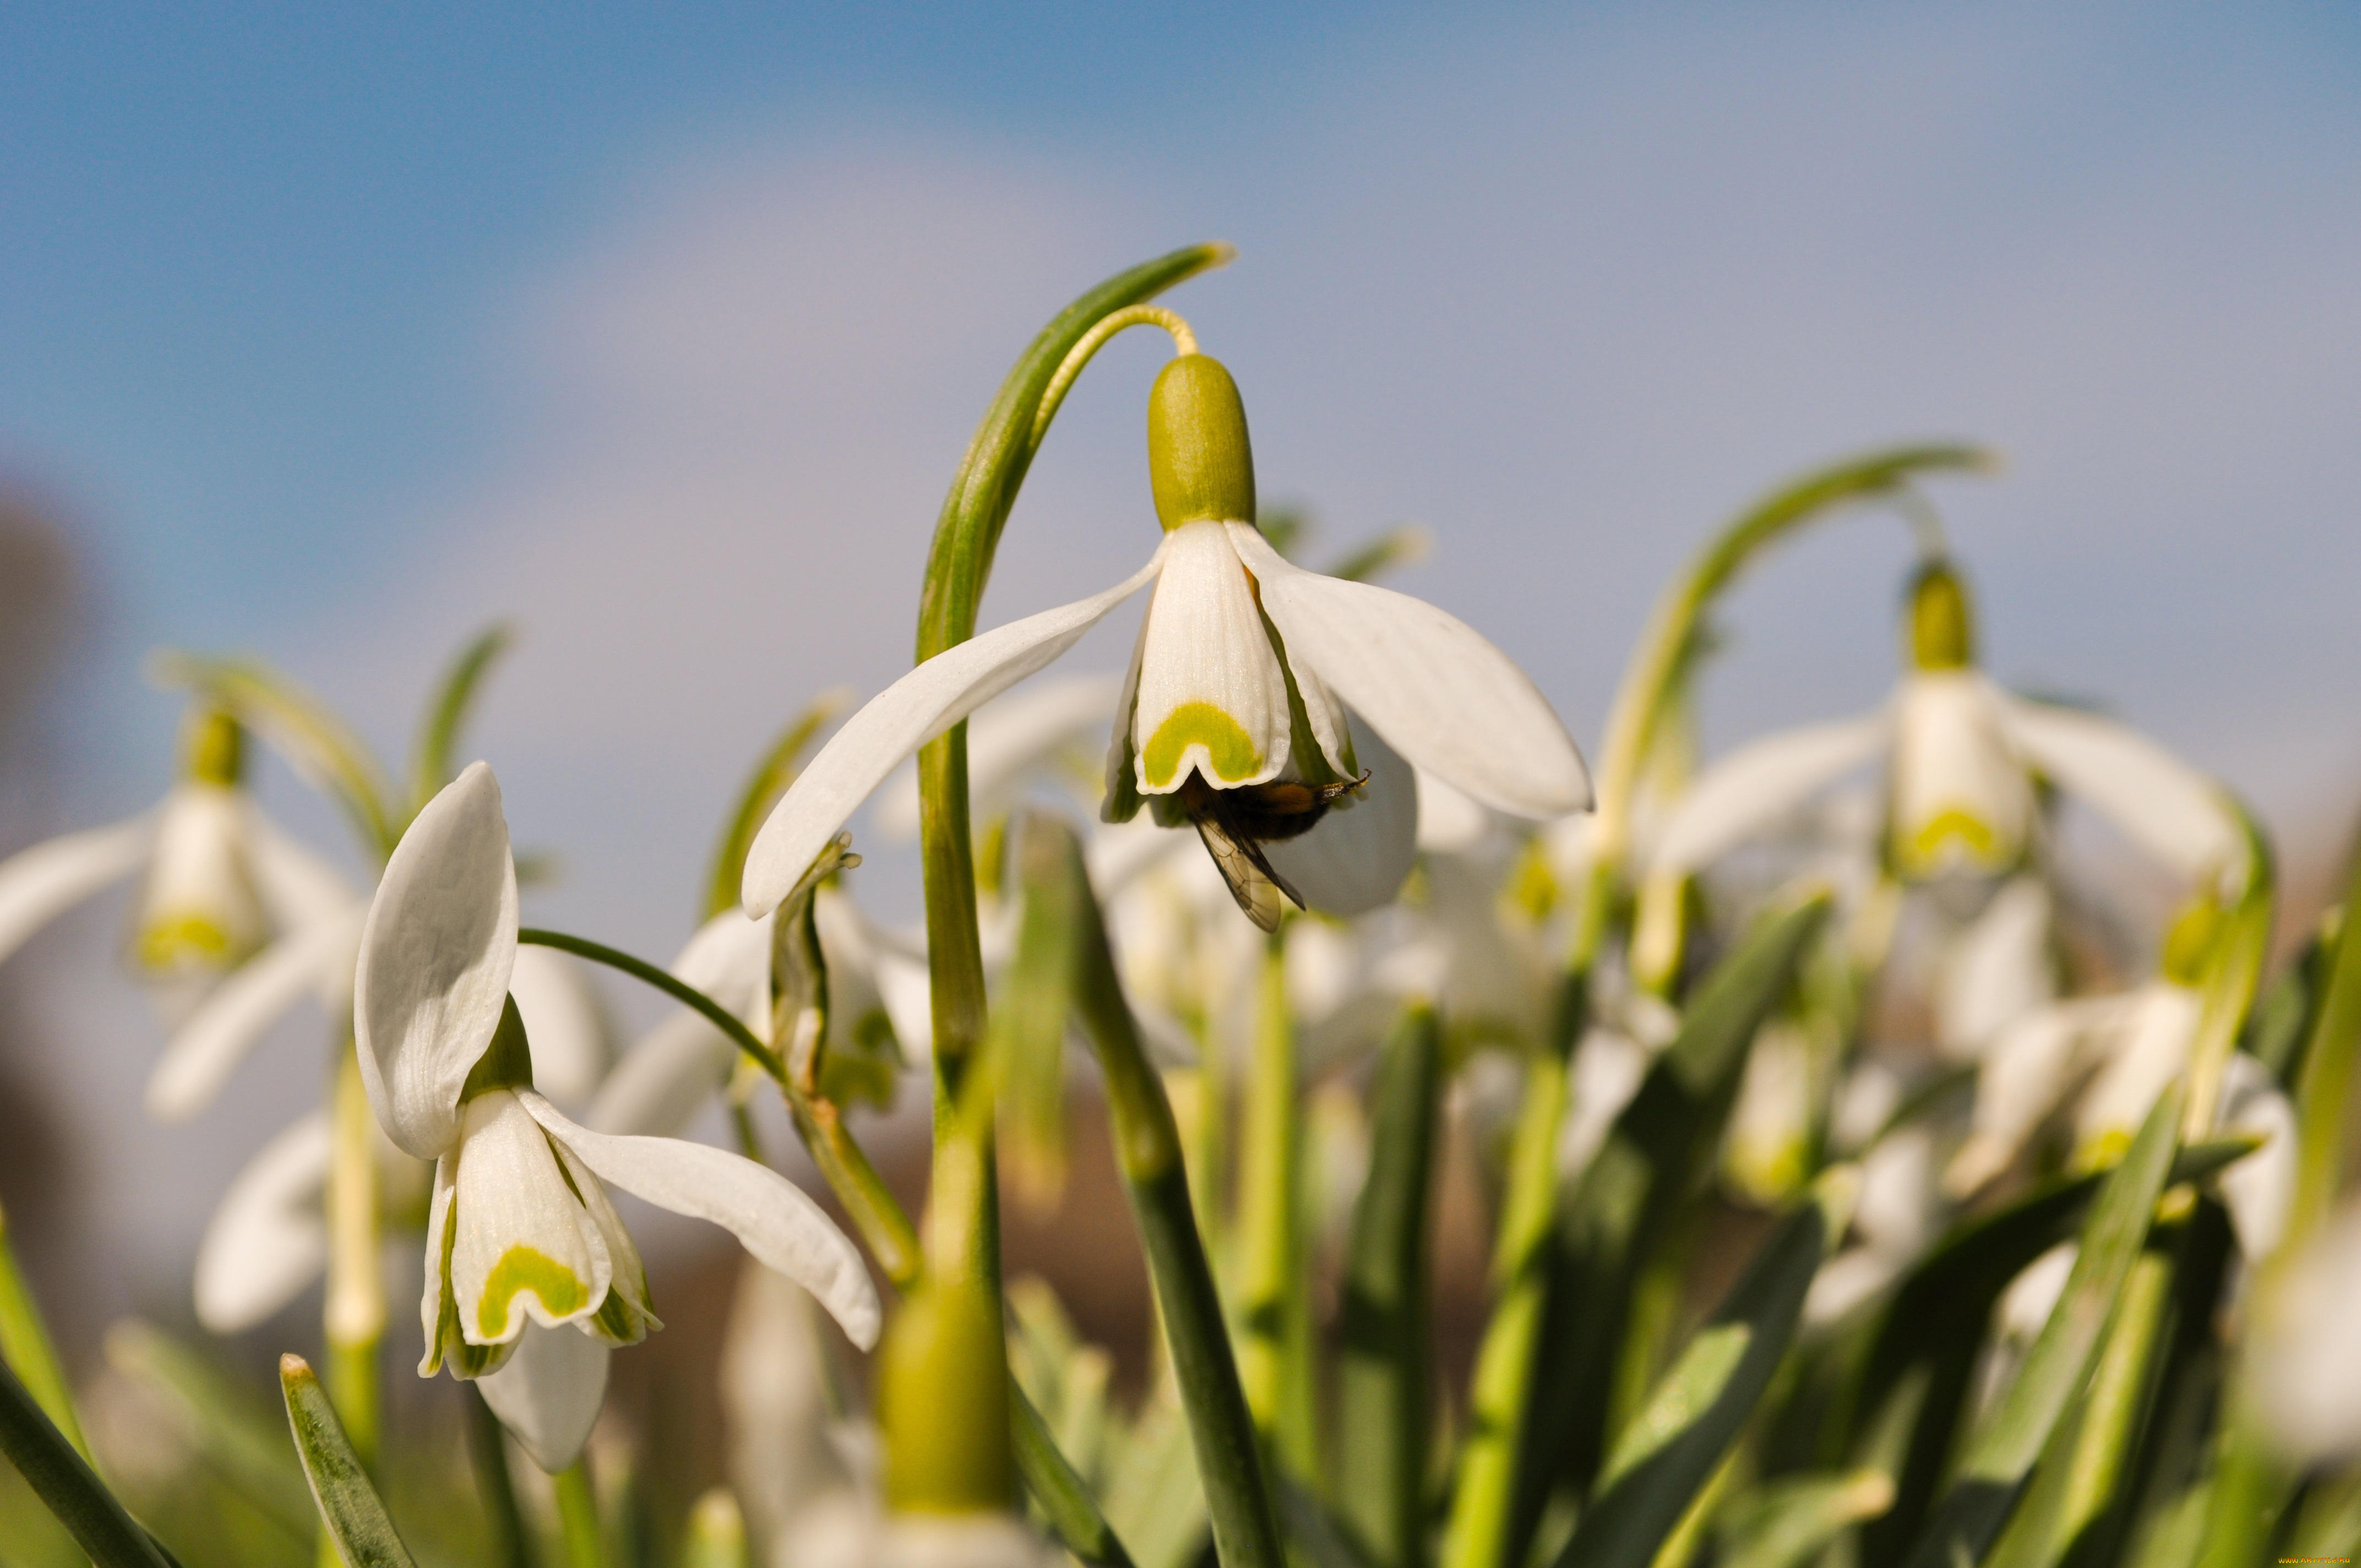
[[1381, 1365], [1664, 1458], [447, 713], [1615, 1223], [350, 1506], [2002, 1453], [1785, 1523], [66, 1485], [1064, 1500]]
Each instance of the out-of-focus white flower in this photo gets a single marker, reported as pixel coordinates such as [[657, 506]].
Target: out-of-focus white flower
[[2305, 1347], [1241, 681], [217, 881], [1895, 1218], [268, 1238], [520, 1228], [877, 980], [1961, 755], [2259, 1189], [1767, 1148], [1996, 971]]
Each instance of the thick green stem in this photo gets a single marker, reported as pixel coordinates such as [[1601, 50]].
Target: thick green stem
[[963, 1212], [508, 1543], [25, 1347], [355, 1308], [1269, 1261], [578, 1516]]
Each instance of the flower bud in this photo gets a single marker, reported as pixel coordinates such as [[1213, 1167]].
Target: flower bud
[[1199, 462], [1942, 622]]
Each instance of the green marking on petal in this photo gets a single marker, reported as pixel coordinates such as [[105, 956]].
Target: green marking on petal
[[1949, 824], [522, 1268], [169, 940], [1234, 756]]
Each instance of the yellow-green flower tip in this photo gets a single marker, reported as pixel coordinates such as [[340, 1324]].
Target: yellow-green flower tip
[[1942, 622], [1199, 461], [214, 748], [2189, 942], [942, 1399]]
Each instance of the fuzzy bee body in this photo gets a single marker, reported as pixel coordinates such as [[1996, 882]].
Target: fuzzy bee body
[[1235, 824]]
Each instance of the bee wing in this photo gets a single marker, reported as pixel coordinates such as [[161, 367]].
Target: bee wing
[[1241, 862]]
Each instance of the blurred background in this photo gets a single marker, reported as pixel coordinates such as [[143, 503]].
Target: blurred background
[[331, 332]]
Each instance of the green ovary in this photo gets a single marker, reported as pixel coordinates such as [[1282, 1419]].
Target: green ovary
[[1232, 753], [524, 1269]]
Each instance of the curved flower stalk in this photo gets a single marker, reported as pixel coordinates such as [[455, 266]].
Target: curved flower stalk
[[1236, 711], [877, 1020], [520, 1229], [217, 883]]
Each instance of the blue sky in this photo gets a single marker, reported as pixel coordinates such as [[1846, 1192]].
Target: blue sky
[[340, 330]]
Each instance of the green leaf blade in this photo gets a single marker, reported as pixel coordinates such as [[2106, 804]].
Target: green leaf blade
[[349, 1506]]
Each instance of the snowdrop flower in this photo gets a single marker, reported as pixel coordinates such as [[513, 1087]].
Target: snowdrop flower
[[520, 1229], [1961, 755], [216, 881], [268, 1238], [1237, 714], [2122, 1049]]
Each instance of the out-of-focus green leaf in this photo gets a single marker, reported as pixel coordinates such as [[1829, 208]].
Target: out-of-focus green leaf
[[1665, 1456], [348, 1504], [717, 1534], [1382, 1428], [769, 781], [1925, 1348], [2328, 1521], [2002, 1451], [65, 1483], [1312, 1532], [1396, 546], [222, 1424], [27, 1349], [1153, 1497], [447, 713], [1030, 1013], [320, 745], [1621, 1222], [1785, 1523], [2283, 1020], [2081, 1467]]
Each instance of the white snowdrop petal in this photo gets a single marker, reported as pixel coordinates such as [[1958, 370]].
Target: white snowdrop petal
[[266, 1239], [2148, 1050], [38, 885], [525, 1247], [563, 1024], [1355, 860], [2306, 1348], [435, 957], [1961, 797], [222, 1028], [298, 886], [900, 720], [1211, 696], [2259, 1189], [661, 1084], [775, 1219], [1756, 786], [2167, 807], [1448, 821], [2023, 1076], [1008, 740], [1445, 698], [1997, 969], [198, 908], [549, 1392]]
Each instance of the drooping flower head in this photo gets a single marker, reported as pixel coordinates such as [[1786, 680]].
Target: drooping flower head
[[520, 1229], [1238, 713]]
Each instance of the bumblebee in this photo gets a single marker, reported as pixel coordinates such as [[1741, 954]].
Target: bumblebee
[[1235, 824]]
